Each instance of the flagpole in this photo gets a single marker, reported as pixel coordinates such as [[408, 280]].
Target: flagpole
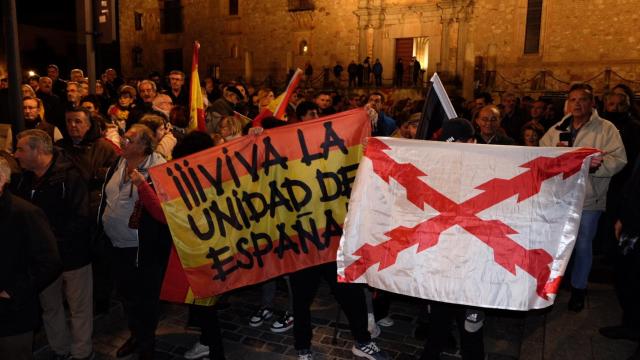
[[436, 110]]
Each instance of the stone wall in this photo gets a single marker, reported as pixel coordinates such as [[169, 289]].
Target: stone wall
[[579, 39]]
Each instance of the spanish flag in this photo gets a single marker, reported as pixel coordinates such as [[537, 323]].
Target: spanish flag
[[278, 106], [196, 116]]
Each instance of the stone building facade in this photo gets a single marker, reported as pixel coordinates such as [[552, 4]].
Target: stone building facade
[[471, 43]]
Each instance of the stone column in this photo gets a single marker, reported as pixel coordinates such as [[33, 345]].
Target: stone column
[[462, 44], [444, 48], [467, 74], [369, 37]]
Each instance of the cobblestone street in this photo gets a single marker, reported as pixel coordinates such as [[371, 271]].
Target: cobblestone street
[[508, 335]]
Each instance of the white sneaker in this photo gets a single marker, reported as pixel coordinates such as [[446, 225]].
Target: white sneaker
[[386, 321], [198, 351], [260, 316]]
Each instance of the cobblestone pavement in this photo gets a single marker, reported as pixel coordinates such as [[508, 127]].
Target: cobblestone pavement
[[551, 334]]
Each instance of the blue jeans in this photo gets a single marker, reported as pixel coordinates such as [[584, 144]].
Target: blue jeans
[[583, 251]]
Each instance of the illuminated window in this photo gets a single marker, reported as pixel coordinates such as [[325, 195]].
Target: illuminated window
[[304, 47]]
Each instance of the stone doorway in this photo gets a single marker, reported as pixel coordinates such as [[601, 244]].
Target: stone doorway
[[404, 51]]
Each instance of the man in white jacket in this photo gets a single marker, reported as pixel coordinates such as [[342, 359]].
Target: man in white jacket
[[583, 127]]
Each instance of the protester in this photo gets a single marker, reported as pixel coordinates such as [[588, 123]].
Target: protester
[[52, 183], [140, 243], [489, 120], [531, 132], [584, 127], [469, 320], [29, 263], [163, 137]]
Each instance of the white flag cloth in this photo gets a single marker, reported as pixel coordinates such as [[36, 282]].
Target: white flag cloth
[[482, 225]]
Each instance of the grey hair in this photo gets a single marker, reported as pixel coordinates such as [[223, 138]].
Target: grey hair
[[38, 139], [153, 85]]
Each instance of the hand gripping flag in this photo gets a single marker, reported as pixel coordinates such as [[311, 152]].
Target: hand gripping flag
[[196, 101], [481, 225]]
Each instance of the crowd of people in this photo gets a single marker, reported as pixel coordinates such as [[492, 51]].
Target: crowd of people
[[85, 155]]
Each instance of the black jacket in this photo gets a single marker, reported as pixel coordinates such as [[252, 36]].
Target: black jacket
[[92, 157], [629, 211], [29, 262], [62, 194], [498, 139]]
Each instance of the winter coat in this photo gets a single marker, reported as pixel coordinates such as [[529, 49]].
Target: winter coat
[[600, 134], [29, 262], [62, 194]]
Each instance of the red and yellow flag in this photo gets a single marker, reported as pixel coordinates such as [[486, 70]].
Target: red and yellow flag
[[196, 116], [262, 205], [278, 106]]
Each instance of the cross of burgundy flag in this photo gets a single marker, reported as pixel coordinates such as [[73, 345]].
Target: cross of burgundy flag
[[481, 225]]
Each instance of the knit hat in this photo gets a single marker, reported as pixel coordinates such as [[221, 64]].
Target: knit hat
[[235, 90], [456, 129]]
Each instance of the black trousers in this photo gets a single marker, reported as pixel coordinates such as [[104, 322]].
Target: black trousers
[[139, 283], [627, 284], [304, 285], [206, 317], [471, 344]]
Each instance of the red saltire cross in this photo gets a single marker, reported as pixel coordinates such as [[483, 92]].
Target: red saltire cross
[[494, 233]]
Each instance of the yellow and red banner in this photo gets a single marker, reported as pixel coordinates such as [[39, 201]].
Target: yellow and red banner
[[262, 205], [196, 101]]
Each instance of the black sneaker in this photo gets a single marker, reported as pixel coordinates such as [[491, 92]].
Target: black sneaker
[[369, 351], [576, 302], [260, 316], [282, 324]]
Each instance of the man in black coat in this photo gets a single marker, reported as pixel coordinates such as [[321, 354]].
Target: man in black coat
[[51, 182], [29, 262]]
